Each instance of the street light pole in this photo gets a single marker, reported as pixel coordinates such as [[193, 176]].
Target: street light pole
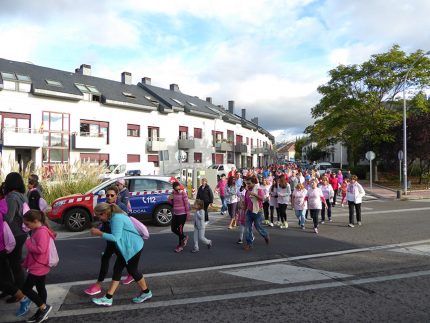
[[405, 159]]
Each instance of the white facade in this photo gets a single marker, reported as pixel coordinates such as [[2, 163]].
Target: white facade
[[26, 143]]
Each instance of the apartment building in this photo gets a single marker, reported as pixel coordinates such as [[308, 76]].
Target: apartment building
[[50, 116]]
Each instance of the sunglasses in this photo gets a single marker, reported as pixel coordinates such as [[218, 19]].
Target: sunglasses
[[110, 195]]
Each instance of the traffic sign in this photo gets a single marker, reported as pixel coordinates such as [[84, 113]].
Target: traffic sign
[[400, 155], [370, 155]]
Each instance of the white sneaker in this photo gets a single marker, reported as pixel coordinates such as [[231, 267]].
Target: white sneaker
[[359, 222], [351, 225], [271, 224]]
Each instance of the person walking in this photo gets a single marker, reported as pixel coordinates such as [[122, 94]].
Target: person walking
[[335, 185], [284, 193], [299, 203], [37, 262], [220, 189], [181, 209], [231, 200], [354, 195], [254, 203], [205, 194], [266, 206], [14, 190], [199, 227], [241, 213], [328, 193], [344, 189], [129, 246], [273, 202], [96, 288], [123, 194], [315, 199]]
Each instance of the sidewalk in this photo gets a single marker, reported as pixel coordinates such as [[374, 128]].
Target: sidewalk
[[388, 193]]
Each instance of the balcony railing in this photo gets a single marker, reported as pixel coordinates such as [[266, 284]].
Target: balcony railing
[[156, 144], [257, 150], [186, 143], [223, 146], [88, 140], [241, 148], [22, 137]]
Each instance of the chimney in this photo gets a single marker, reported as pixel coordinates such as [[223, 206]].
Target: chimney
[[146, 80], [243, 113], [209, 99], [84, 69], [174, 87], [255, 120], [231, 107], [126, 78]]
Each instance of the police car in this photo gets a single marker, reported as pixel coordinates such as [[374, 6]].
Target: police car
[[148, 199]]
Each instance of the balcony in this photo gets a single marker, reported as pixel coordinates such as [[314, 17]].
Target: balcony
[[156, 144], [223, 146], [22, 137], [258, 151], [186, 143], [266, 151], [241, 148], [89, 141]]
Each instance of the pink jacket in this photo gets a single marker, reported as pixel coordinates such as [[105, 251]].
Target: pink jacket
[[221, 187], [180, 203], [38, 251], [3, 210]]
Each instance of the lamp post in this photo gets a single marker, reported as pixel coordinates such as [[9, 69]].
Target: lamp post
[[405, 159]]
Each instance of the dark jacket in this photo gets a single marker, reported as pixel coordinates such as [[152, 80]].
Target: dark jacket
[[13, 217], [205, 194]]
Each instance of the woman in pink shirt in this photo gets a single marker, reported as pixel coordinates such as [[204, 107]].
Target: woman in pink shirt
[[315, 200], [299, 203]]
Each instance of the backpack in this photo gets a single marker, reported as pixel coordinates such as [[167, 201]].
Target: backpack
[[25, 209], [140, 228], [8, 238], [53, 258]]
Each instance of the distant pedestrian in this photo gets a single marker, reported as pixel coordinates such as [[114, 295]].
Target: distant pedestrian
[[284, 193], [335, 185], [241, 218], [328, 193], [37, 262], [344, 188], [199, 227], [181, 210], [205, 194], [128, 246], [266, 190], [220, 189], [273, 202], [354, 195], [315, 199], [231, 200], [299, 203]]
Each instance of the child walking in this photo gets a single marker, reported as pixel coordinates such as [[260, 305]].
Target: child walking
[[344, 188], [37, 262], [199, 226], [241, 219]]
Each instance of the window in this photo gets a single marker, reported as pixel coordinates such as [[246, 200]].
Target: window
[[131, 158], [129, 95], [91, 128], [56, 137], [87, 88], [16, 82], [164, 185], [230, 136], [183, 132], [133, 130], [247, 140], [8, 76], [197, 157], [153, 133], [192, 104], [141, 185], [198, 133], [217, 136], [154, 159], [251, 142], [178, 102], [24, 78], [95, 158], [239, 139], [230, 157], [54, 83]]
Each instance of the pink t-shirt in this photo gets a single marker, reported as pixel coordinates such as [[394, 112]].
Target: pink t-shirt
[[299, 199], [314, 198]]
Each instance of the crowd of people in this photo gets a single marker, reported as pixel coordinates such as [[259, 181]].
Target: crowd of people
[[250, 197]]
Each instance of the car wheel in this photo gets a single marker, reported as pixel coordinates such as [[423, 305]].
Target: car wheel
[[76, 219], [163, 215]]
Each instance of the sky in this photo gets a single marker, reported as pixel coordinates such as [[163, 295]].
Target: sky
[[269, 56]]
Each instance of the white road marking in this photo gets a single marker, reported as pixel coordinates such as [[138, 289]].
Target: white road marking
[[284, 274], [420, 250], [233, 296]]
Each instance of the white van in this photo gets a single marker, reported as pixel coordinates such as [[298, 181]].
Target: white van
[[121, 170], [323, 167], [222, 168]]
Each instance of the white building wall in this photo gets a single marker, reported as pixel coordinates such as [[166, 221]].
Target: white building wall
[[119, 143]]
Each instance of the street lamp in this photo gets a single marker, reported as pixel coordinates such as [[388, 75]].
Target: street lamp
[[405, 160]]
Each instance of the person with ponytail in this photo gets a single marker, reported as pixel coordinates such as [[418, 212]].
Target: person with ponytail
[[129, 246], [37, 262]]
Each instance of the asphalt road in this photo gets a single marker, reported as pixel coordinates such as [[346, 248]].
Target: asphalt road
[[379, 271]]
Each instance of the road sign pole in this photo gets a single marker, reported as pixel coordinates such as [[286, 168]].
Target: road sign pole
[[370, 174], [400, 173]]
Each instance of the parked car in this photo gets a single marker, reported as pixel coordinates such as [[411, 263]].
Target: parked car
[[222, 168], [121, 170], [323, 167], [148, 199]]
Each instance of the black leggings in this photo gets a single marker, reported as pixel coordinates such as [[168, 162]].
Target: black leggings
[[272, 210], [266, 210], [328, 210], [6, 280], [314, 216], [206, 206], [232, 209], [107, 254], [132, 267], [178, 222], [40, 297], [351, 206], [15, 259], [283, 212]]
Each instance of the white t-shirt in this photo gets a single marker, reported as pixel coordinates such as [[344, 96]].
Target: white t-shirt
[[299, 199], [314, 198]]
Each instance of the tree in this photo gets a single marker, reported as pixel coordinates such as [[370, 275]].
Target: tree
[[299, 144], [360, 104]]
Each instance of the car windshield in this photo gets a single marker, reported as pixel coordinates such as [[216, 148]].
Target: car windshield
[[323, 167], [111, 168]]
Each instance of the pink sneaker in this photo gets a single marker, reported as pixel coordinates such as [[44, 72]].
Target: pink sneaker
[[128, 280], [178, 249], [94, 289]]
